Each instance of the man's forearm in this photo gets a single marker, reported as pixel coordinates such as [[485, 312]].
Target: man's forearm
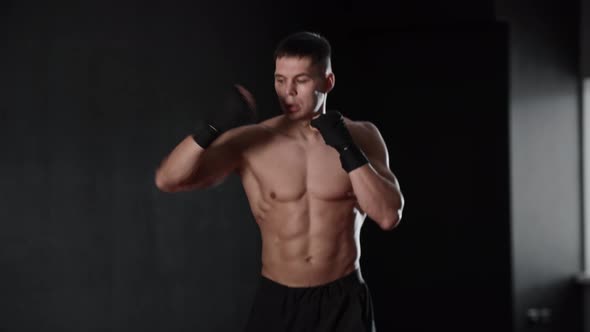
[[379, 197], [179, 166]]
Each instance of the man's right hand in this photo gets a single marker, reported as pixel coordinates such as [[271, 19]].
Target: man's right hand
[[238, 108]]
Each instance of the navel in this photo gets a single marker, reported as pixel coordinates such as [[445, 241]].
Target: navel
[[308, 259], [273, 195]]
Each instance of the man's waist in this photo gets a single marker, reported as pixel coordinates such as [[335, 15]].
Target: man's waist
[[346, 280], [308, 275]]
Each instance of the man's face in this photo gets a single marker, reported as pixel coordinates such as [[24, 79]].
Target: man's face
[[300, 86]]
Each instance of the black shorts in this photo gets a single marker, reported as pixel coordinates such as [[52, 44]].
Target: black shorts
[[341, 305]]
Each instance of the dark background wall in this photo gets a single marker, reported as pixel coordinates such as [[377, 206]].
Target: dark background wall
[[585, 37], [94, 95], [446, 130]]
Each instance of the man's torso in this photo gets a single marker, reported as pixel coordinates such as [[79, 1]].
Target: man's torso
[[304, 204]]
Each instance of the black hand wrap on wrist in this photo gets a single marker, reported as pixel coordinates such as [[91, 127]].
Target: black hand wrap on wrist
[[205, 134], [351, 158], [331, 126]]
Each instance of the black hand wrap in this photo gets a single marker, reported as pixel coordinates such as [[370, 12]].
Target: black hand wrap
[[331, 126], [235, 111]]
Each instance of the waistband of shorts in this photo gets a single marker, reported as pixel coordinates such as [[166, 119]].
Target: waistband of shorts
[[352, 278]]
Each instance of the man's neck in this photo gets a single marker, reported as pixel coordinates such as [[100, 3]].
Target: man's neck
[[299, 129]]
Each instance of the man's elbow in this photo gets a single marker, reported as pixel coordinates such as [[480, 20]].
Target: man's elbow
[[165, 184], [390, 222], [393, 215]]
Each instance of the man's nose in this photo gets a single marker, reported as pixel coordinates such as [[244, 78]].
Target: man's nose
[[291, 89]]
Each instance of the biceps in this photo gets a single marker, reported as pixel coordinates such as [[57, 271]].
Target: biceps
[[218, 163], [212, 167]]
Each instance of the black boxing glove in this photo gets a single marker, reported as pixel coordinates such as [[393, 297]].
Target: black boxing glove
[[331, 126], [236, 110]]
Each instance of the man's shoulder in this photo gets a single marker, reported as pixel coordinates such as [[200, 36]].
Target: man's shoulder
[[252, 136], [243, 135], [255, 128], [361, 126], [364, 133], [272, 123]]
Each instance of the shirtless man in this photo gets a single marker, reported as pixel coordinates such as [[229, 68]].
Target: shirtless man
[[311, 177]]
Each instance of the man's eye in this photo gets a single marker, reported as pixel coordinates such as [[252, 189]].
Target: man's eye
[[302, 81]]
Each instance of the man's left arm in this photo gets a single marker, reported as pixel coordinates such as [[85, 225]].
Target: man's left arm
[[376, 188], [363, 155]]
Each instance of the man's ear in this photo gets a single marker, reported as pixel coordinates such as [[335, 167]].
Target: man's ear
[[329, 82]]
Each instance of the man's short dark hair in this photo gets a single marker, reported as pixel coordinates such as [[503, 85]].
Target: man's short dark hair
[[306, 44]]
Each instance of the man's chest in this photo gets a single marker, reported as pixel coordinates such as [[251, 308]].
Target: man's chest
[[287, 171]]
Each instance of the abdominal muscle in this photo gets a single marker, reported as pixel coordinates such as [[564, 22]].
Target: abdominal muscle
[[309, 241], [304, 205]]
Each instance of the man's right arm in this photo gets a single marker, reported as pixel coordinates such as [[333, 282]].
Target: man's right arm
[[189, 166], [215, 149]]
